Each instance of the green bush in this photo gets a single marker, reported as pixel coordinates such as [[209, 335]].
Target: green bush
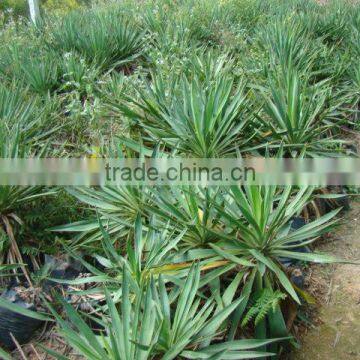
[[104, 38], [61, 6], [14, 7]]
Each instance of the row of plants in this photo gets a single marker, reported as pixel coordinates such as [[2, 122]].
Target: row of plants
[[173, 272], [237, 250]]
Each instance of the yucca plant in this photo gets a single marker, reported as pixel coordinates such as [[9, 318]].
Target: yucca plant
[[192, 118], [260, 217], [300, 116], [211, 64], [287, 44], [37, 69], [77, 74], [117, 206], [153, 250], [331, 25], [13, 106], [259, 235], [354, 68], [187, 207], [149, 327], [145, 252], [20, 134], [129, 334], [26, 126], [104, 38], [253, 232], [249, 227], [169, 36], [353, 88]]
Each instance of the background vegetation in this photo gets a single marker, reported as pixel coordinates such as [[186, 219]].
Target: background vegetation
[[186, 272]]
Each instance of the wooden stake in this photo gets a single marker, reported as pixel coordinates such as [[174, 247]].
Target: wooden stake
[[34, 11]]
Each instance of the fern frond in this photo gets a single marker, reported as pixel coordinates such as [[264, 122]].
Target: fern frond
[[267, 301]]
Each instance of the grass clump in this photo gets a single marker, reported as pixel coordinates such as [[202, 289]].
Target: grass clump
[[104, 38]]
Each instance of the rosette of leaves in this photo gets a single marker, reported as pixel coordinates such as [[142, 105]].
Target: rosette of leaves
[[150, 323]]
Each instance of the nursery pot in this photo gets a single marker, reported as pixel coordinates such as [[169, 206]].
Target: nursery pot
[[20, 326]]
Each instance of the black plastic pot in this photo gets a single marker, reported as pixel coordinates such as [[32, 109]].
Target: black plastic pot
[[297, 278], [344, 202], [327, 205], [23, 327], [20, 326], [297, 223], [61, 270]]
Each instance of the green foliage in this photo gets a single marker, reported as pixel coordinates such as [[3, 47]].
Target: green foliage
[[195, 118], [59, 209], [267, 301], [104, 38], [287, 45], [260, 218], [186, 269], [188, 207], [23, 128], [117, 208], [61, 6], [331, 26], [150, 327], [77, 75], [297, 115], [21, 134], [14, 7], [38, 71], [14, 107]]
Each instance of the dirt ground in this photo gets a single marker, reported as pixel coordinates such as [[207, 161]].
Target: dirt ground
[[337, 333]]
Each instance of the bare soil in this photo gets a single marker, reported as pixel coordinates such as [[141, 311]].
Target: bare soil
[[336, 334]]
